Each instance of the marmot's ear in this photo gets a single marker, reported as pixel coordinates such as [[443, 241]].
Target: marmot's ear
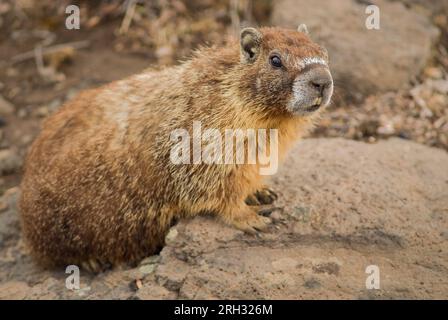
[[302, 28], [250, 40]]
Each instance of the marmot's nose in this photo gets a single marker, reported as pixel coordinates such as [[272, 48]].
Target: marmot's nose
[[321, 80], [321, 84]]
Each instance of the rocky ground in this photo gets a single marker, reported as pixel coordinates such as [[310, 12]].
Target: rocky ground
[[344, 204]]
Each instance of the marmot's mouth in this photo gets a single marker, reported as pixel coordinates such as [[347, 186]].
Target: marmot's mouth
[[316, 105]]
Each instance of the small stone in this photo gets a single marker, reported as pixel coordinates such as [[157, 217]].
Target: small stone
[[54, 105], [386, 129], [83, 291], [12, 72], [26, 139], [42, 112], [11, 192], [172, 234], [434, 73], [136, 285], [147, 269], [9, 161], [426, 113], [3, 206], [22, 113], [6, 107]]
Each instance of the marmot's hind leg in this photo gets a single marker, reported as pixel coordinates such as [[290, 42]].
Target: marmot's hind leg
[[261, 197]]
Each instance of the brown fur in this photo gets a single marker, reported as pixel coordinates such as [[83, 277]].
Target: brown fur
[[99, 184]]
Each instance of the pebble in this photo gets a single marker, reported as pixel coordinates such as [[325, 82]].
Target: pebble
[[6, 107], [42, 112], [172, 234], [83, 291], [147, 269], [9, 161], [3, 206], [434, 73], [22, 113]]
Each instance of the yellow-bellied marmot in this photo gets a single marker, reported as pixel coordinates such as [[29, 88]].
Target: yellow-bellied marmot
[[99, 187]]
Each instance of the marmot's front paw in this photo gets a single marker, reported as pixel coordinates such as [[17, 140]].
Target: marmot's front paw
[[262, 196], [251, 222]]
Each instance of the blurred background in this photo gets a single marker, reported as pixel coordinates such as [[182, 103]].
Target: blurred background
[[389, 82]]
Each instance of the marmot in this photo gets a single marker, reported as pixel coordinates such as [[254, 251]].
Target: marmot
[[99, 188]]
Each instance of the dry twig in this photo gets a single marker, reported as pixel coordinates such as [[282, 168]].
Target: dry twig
[[48, 50], [130, 11]]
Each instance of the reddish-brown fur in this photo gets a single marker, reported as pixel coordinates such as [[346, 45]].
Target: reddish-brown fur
[[99, 186]]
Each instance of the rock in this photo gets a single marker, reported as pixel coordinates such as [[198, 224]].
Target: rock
[[10, 161], [171, 236], [6, 108], [347, 205], [147, 269], [364, 61]]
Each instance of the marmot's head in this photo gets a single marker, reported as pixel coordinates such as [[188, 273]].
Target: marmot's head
[[285, 70]]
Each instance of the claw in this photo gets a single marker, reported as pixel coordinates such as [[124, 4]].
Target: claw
[[261, 197], [266, 211], [264, 225], [252, 200], [251, 223], [266, 196]]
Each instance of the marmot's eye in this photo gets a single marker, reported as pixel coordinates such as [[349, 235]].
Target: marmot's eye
[[276, 61]]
